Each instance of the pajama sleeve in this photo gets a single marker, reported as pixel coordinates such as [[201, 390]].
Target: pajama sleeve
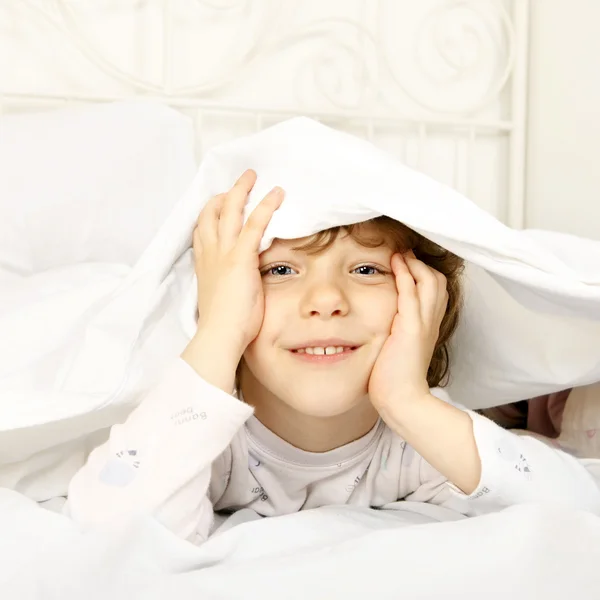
[[515, 469], [159, 461]]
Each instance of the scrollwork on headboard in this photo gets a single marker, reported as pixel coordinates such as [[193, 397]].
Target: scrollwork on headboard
[[437, 74]]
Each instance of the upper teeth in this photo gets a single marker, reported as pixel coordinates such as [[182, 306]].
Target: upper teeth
[[320, 350]]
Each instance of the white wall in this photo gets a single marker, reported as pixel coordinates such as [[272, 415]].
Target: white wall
[[563, 170]]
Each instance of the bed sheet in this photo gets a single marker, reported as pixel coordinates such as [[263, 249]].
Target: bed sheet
[[408, 550]]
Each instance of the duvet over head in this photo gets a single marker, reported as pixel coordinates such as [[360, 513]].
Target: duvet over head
[[531, 321]]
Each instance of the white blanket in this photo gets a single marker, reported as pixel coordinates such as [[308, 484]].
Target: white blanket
[[81, 344], [413, 551]]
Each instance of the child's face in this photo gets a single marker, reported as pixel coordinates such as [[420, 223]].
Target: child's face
[[345, 296]]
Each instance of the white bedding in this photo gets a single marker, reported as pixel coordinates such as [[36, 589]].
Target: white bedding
[[413, 551], [86, 340]]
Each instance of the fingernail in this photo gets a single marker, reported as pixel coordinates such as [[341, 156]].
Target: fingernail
[[277, 191]]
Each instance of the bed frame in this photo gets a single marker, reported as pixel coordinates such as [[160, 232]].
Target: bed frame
[[440, 83]]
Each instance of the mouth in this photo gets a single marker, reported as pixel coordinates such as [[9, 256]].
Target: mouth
[[325, 351]]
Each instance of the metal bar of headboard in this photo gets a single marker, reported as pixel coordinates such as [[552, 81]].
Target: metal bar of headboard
[[49, 100], [517, 173]]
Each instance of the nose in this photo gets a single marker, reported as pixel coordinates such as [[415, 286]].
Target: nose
[[324, 299]]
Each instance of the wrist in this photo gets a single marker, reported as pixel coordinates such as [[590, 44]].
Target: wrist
[[401, 396], [214, 358], [406, 409], [223, 344]]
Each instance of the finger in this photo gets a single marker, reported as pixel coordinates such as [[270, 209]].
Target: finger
[[441, 301], [432, 291], [443, 296], [232, 215], [208, 220], [196, 241], [408, 300], [428, 286], [211, 209], [257, 222], [442, 311], [442, 308]]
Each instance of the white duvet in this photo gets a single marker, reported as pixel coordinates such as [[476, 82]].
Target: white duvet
[[81, 344], [412, 551]]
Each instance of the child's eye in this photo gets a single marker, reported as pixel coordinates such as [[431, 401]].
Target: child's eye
[[369, 270], [278, 271]]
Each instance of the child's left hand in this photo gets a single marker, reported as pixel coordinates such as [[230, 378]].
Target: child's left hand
[[400, 371]]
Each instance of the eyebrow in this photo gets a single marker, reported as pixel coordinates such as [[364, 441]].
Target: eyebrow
[[357, 249]]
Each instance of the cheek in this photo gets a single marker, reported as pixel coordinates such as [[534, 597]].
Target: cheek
[[256, 350], [381, 310], [278, 310], [256, 358]]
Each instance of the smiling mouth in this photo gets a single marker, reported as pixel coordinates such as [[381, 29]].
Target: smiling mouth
[[324, 351], [324, 355]]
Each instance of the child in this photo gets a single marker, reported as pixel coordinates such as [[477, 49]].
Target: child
[[333, 342]]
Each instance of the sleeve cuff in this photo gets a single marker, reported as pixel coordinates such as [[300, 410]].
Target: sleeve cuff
[[497, 452]]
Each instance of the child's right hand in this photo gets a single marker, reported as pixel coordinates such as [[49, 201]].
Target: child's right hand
[[230, 294]]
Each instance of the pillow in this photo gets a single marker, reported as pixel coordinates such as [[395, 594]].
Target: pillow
[[73, 181]]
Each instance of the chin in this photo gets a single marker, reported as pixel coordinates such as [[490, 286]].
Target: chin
[[323, 405]]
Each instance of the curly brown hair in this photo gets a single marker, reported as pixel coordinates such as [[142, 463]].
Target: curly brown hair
[[401, 239]]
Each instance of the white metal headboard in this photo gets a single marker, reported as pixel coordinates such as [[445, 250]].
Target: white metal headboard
[[440, 83]]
